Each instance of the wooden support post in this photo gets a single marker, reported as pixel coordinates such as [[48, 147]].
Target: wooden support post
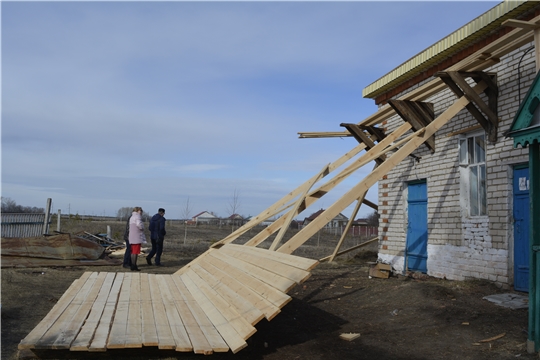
[[351, 220], [58, 221], [47, 217]]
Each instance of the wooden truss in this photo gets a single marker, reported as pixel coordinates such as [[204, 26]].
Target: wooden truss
[[213, 303]]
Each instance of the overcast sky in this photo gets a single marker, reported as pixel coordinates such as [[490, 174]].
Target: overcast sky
[[114, 104]]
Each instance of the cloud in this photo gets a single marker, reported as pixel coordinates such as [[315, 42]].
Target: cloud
[[112, 104]]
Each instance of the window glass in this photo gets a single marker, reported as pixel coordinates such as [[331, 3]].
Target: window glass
[[482, 193], [479, 149], [463, 151], [473, 183]]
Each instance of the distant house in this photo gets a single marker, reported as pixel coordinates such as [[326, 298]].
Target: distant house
[[339, 221], [235, 219], [205, 218], [362, 228]]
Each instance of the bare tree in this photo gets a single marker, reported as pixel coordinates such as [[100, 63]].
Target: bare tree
[[233, 207], [186, 213], [124, 213], [373, 219], [10, 206]]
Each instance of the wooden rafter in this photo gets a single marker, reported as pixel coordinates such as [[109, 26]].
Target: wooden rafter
[[418, 114], [477, 107], [363, 186], [362, 137]]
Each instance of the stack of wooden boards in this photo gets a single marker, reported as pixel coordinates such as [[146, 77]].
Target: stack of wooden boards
[[211, 306]]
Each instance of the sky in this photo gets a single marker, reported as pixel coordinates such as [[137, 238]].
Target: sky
[[194, 106]]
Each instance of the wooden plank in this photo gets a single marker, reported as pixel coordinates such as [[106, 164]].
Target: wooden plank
[[178, 330], [83, 339], [266, 307], [72, 328], [148, 324], [287, 271], [304, 189], [198, 341], [247, 310], [279, 282], [292, 260], [29, 341], [99, 342], [117, 335], [134, 323], [235, 341], [203, 322], [52, 334], [349, 249], [235, 319], [363, 186], [165, 336], [227, 264]]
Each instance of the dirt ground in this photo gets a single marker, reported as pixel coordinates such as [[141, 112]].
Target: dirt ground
[[401, 318]]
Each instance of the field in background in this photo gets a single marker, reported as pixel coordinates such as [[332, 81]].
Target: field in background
[[196, 239]]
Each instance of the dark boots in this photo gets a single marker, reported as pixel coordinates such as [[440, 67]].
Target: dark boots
[[134, 263]]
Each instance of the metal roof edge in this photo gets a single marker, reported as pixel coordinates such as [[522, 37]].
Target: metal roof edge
[[456, 41]]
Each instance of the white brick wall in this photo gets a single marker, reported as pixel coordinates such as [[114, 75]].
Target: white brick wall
[[460, 247]]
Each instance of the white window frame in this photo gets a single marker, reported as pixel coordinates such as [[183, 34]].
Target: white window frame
[[472, 161]]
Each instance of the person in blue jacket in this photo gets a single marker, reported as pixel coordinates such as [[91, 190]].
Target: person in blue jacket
[[157, 235]]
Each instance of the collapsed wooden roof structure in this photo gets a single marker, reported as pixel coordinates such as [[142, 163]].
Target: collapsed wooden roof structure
[[212, 304]]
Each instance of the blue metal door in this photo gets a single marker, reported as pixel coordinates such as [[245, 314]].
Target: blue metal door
[[521, 229], [416, 247]]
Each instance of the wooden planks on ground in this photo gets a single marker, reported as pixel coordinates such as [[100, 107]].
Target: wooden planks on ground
[[211, 307]]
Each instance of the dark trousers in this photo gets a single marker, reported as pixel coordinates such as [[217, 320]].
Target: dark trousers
[[127, 255], [157, 249]]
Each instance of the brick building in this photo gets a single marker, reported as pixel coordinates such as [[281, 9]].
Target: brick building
[[453, 209]]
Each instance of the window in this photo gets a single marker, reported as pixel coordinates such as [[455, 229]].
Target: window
[[472, 158]]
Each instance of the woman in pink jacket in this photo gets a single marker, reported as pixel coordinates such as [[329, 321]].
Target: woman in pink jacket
[[136, 236]]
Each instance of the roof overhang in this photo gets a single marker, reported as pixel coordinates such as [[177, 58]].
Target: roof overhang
[[462, 38]]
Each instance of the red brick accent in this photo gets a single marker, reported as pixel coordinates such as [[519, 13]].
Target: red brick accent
[[385, 247]]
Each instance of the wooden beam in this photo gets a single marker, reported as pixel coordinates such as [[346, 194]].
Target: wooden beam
[[303, 235], [350, 249], [363, 160], [520, 24], [416, 113], [294, 210], [284, 202], [346, 231], [359, 135], [328, 134], [477, 100]]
